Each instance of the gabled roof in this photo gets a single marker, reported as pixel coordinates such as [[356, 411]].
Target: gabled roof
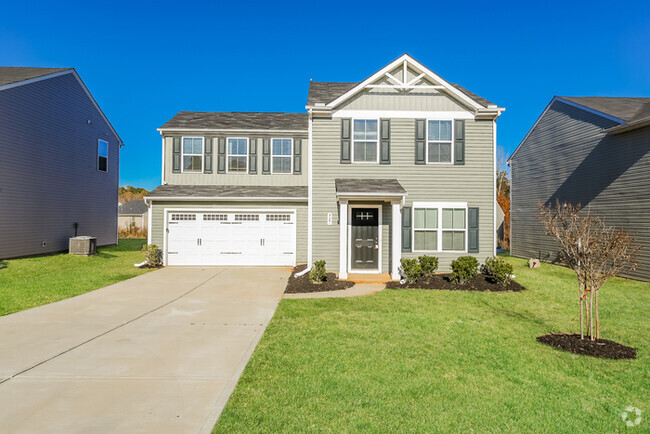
[[133, 207], [372, 186], [629, 112], [16, 74], [186, 120], [324, 96]]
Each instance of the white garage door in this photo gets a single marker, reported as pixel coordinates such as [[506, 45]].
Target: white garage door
[[231, 238]]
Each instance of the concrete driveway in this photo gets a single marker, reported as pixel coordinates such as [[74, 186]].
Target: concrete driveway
[[161, 352]]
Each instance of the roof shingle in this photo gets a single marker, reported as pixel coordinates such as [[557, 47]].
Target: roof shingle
[[228, 191], [16, 74], [133, 207], [238, 121], [623, 108], [376, 186]]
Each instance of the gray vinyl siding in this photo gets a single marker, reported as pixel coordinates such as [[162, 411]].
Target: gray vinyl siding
[[158, 223], [389, 99], [568, 157], [48, 169], [236, 178], [472, 183]]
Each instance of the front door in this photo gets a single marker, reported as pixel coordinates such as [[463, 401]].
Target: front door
[[365, 239]]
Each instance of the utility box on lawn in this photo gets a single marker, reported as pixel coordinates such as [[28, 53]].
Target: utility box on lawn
[[83, 246]]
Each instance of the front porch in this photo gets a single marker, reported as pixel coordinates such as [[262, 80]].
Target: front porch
[[363, 243]]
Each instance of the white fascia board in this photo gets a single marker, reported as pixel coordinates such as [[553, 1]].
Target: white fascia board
[[402, 114], [228, 199], [564, 101], [405, 57], [230, 130]]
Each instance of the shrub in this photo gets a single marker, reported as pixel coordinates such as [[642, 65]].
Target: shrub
[[497, 270], [463, 269], [411, 269], [152, 254], [429, 265], [318, 272]]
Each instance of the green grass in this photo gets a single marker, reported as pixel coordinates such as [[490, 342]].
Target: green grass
[[445, 361], [30, 282]]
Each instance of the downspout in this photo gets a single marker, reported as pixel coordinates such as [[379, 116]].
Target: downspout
[[309, 203]]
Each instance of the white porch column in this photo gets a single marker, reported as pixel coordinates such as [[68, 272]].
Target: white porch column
[[343, 239], [397, 240]]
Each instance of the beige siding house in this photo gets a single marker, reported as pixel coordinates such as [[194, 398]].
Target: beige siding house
[[401, 164]]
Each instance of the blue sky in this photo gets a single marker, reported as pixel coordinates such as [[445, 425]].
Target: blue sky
[[145, 61]]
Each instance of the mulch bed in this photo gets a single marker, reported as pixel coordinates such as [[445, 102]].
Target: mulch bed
[[150, 266], [300, 285], [602, 348], [441, 281]]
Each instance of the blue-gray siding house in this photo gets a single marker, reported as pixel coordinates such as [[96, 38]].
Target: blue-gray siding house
[[589, 150], [59, 163]]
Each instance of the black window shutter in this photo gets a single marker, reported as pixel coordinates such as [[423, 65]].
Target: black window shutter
[[420, 142], [176, 155], [266, 156], [297, 156], [384, 147], [345, 141], [221, 155], [459, 141], [252, 157], [472, 230], [406, 229], [208, 155]]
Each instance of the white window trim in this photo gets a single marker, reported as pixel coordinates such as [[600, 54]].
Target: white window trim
[[290, 156], [352, 140], [107, 153], [439, 229], [426, 141], [183, 154], [228, 155]]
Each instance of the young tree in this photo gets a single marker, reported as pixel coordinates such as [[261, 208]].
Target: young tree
[[593, 250], [503, 195]]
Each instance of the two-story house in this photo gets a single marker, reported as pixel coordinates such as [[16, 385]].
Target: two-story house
[[401, 164], [59, 163]]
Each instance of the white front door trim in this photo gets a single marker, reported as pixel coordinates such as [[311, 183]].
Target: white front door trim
[[349, 238]]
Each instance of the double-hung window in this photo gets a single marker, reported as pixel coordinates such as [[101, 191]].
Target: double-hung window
[[439, 227], [365, 141], [192, 154], [102, 155], [282, 155], [237, 155], [439, 142]]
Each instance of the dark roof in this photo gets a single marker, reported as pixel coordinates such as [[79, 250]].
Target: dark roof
[[15, 74], [133, 207], [623, 108], [382, 186], [229, 191], [326, 92], [238, 121]]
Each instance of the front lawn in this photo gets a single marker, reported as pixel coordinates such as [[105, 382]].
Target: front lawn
[[31, 282], [411, 360]]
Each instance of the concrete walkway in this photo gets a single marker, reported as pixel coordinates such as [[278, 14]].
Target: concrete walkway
[[161, 352]]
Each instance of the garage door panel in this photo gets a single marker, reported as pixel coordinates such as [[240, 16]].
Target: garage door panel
[[231, 238]]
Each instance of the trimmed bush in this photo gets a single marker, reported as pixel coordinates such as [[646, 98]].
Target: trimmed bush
[[429, 265], [463, 269], [152, 254], [318, 272], [497, 270], [411, 269]]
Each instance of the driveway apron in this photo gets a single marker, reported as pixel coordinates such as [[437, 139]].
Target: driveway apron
[[161, 352]]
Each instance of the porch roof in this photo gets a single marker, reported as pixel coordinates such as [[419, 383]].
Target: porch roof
[[369, 188]]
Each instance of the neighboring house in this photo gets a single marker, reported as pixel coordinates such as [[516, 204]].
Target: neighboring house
[[134, 212], [589, 150], [500, 222], [401, 164], [59, 163]]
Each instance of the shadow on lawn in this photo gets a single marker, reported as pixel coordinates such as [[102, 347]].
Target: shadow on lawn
[[3, 264], [521, 316]]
